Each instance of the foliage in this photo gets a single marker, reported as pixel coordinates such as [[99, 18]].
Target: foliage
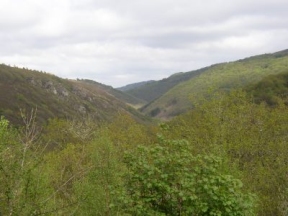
[[167, 179], [95, 191], [253, 136], [79, 167], [125, 132], [59, 132], [66, 168], [270, 89], [226, 134], [22, 185], [219, 77], [150, 91]]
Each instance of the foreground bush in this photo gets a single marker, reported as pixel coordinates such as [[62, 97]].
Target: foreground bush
[[168, 179]]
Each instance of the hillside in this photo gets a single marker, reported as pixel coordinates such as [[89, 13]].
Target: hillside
[[217, 77], [134, 85], [149, 91], [270, 89], [24, 89], [117, 93]]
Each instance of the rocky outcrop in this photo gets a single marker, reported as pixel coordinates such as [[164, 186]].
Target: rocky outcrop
[[50, 86]]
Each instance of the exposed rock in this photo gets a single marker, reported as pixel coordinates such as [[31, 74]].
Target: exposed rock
[[48, 85], [82, 109], [63, 92], [34, 82]]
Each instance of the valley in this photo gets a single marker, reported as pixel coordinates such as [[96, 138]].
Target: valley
[[207, 142]]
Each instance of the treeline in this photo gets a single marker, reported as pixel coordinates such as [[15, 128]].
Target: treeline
[[226, 157]]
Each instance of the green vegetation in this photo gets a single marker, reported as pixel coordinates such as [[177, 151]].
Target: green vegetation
[[270, 89], [226, 157], [59, 98], [134, 85], [252, 136], [220, 77], [22, 182], [150, 91], [120, 95], [167, 179]]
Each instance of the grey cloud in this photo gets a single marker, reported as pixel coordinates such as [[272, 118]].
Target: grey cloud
[[120, 43]]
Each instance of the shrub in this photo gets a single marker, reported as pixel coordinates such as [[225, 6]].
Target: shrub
[[167, 179]]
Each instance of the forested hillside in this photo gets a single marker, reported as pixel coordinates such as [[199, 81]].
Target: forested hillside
[[270, 89], [152, 90], [120, 95], [220, 77], [134, 85], [24, 89]]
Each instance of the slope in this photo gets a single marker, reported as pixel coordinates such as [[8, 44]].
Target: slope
[[117, 93], [224, 76], [270, 89], [134, 85], [151, 90], [54, 97]]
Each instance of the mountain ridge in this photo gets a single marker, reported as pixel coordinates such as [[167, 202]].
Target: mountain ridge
[[60, 98], [54, 97], [221, 76], [134, 85], [150, 91]]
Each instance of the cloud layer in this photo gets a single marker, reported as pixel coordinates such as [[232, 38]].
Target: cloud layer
[[121, 42]]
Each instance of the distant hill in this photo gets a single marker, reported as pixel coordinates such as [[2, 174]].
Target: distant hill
[[150, 91], [56, 97], [117, 93], [134, 86], [26, 89], [224, 76]]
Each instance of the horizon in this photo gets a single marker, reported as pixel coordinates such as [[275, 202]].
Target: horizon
[[83, 78], [119, 44]]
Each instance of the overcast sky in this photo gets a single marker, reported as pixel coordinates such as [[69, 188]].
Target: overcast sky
[[117, 42]]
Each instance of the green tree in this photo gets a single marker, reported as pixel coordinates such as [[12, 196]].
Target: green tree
[[124, 132], [252, 136], [23, 186], [95, 191], [167, 179]]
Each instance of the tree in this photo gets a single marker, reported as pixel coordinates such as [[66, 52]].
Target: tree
[[252, 136], [167, 179], [22, 184]]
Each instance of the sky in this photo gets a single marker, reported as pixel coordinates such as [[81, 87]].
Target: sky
[[118, 42]]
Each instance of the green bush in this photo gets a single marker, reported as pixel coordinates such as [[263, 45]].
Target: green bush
[[167, 179]]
